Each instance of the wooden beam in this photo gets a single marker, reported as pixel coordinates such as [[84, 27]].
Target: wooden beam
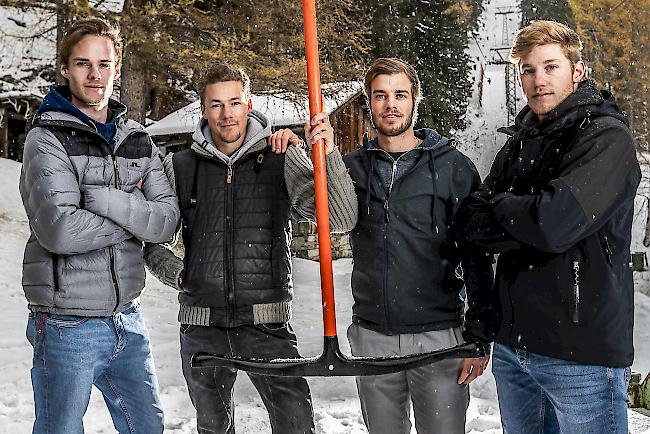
[[4, 132]]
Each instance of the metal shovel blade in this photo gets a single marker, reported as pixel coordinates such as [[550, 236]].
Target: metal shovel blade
[[333, 363]]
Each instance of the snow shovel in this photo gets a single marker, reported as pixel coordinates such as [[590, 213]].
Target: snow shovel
[[331, 362]]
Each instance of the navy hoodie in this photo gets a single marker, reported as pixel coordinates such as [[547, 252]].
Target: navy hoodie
[[58, 99]]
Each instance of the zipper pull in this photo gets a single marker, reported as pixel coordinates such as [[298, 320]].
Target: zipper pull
[[392, 176], [386, 211], [229, 177]]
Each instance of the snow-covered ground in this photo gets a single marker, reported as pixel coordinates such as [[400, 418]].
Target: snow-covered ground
[[337, 409]]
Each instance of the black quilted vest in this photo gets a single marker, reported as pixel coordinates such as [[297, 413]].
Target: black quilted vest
[[237, 233]]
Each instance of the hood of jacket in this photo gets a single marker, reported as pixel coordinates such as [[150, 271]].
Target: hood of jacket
[[57, 108], [431, 140], [586, 102], [258, 129], [381, 161], [58, 100]]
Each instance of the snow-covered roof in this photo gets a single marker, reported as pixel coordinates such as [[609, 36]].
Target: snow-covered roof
[[23, 57], [20, 94], [280, 108], [28, 45]]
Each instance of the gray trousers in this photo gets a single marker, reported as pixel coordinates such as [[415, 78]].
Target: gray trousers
[[439, 402]]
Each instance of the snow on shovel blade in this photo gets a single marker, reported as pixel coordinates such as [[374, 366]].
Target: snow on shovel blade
[[333, 363]]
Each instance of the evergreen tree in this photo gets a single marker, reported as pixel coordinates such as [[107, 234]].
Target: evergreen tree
[[618, 54], [433, 37], [554, 10], [168, 43]]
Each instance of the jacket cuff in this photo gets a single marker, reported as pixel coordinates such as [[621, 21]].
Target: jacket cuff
[[96, 200]]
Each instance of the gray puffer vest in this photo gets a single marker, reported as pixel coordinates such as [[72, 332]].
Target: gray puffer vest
[[88, 219]]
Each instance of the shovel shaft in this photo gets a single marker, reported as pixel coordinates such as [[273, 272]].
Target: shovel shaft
[[320, 177]]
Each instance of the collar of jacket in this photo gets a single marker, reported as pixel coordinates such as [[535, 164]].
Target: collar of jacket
[[58, 99], [124, 127], [431, 140], [586, 102]]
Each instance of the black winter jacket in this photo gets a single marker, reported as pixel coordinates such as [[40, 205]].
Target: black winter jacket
[[404, 274], [558, 205]]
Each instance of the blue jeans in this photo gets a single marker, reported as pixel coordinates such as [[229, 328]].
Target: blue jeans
[[545, 395], [73, 353]]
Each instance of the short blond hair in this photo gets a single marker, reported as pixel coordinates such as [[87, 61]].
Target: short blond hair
[[542, 32], [222, 72]]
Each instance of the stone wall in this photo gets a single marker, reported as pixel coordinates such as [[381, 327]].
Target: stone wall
[[305, 243]]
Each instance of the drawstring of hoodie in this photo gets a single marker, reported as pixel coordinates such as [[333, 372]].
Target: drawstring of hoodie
[[370, 176]]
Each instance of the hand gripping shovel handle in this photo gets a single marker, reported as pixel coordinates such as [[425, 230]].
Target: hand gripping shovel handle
[[331, 362]]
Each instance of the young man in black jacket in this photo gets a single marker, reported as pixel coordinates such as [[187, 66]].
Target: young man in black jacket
[[558, 206], [406, 291]]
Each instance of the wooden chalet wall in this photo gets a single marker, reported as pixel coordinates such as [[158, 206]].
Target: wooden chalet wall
[[14, 111], [350, 122]]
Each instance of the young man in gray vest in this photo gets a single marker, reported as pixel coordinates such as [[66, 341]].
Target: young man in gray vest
[[94, 190], [236, 197]]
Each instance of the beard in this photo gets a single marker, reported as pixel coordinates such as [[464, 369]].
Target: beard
[[396, 130]]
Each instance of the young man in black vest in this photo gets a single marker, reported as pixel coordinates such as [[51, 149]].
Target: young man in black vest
[[405, 283], [558, 207], [236, 195]]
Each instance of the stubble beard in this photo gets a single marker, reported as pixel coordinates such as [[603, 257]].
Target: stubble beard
[[397, 130]]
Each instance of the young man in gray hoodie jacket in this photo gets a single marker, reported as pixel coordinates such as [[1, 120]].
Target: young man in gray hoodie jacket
[[94, 190], [236, 197], [406, 279]]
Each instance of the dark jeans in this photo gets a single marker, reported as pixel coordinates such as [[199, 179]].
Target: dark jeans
[[287, 399]]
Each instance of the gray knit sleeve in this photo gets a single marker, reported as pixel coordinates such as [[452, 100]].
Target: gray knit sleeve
[[299, 176], [160, 259], [164, 264]]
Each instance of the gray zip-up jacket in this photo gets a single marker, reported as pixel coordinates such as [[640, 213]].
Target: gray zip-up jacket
[[88, 219], [298, 176]]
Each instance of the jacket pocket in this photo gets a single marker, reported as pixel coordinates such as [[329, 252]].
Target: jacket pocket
[[606, 248]]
